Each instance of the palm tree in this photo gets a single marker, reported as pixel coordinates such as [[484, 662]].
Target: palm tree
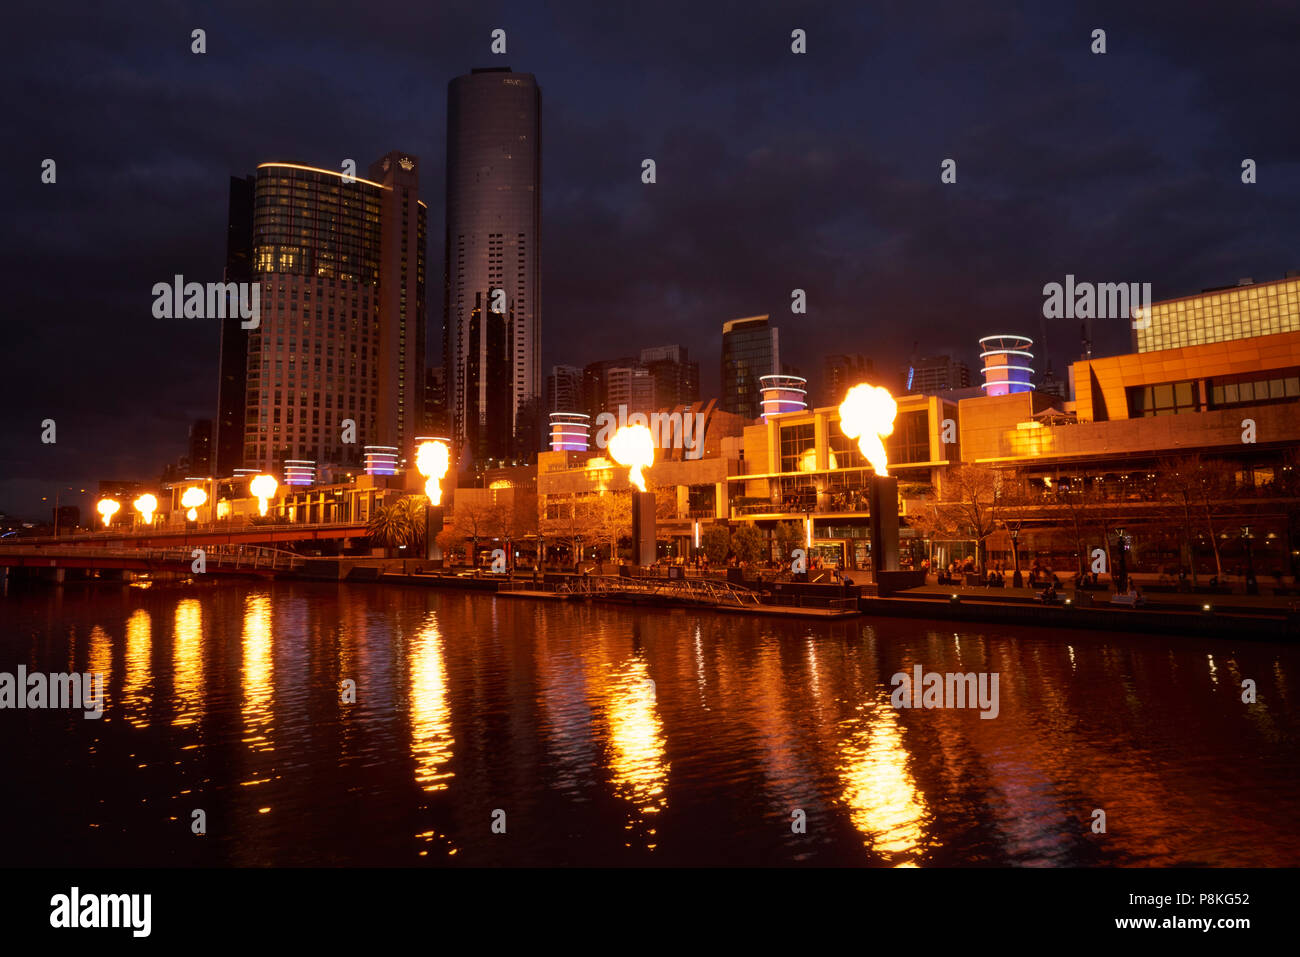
[[413, 507], [390, 526]]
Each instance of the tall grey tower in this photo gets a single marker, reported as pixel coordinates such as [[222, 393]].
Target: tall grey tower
[[493, 249]]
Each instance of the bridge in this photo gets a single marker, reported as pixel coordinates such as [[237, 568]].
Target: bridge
[[207, 534], [218, 559]]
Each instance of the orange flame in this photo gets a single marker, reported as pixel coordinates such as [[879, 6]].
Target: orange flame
[[146, 505], [107, 508], [432, 460], [193, 497], [263, 487], [633, 446], [867, 414]]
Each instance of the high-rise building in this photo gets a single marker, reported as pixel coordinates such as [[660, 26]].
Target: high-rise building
[[1221, 315], [631, 386], [841, 373], [228, 426], [487, 396], [200, 452], [435, 405], [493, 242], [595, 384], [564, 389], [941, 373], [750, 350], [676, 376], [341, 335]]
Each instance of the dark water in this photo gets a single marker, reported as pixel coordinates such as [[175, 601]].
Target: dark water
[[226, 698]]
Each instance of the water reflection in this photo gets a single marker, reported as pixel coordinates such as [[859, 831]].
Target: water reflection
[[636, 746], [431, 739], [881, 795], [187, 662], [138, 669], [257, 674]]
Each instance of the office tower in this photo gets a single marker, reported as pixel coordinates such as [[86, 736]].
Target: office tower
[[840, 373], [228, 426], [750, 350], [341, 336], [939, 373], [487, 374], [200, 451], [493, 241], [676, 377], [631, 386], [595, 387], [1242, 311], [564, 389], [435, 406]]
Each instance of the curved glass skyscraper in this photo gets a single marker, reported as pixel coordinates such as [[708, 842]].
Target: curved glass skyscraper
[[493, 264]]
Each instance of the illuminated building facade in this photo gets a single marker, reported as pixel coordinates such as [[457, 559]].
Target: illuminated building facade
[[570, 431], [750, 350], [783, 393], [1220, 315], [1008, 364], [342, 326]]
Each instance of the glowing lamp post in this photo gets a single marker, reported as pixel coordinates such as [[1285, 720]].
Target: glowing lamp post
[[867, 414], [107, 508], [263, 487], [192, 499], [146, 505], [432, 460], [634, 447]]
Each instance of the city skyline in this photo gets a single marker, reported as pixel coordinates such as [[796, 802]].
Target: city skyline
[[666, 286]]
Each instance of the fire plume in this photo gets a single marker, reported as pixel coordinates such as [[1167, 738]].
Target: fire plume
[[192, 499], [432, 460], [107, 508], [867, 414], [146, 505], [263, 487], [633, 446]]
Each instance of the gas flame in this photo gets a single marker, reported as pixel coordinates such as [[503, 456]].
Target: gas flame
[[107, 508], [146, 505], [263, 487], [192, 499], [633, 446], [867, 414], [432, 459]]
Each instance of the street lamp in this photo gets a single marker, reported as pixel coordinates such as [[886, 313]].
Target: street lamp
[[57, 493], [1121, 577], [1247, 536]]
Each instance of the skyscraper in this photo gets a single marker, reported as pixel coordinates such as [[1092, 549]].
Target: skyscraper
[[493, 242], [750, 350], [676, 376], [564, 389], [841, 373], [939, 373], [341, 264], [228, 427]]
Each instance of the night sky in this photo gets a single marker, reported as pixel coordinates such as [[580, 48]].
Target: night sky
[[775, 171]]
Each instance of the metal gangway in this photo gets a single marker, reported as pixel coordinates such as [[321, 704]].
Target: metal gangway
[[705, 591]]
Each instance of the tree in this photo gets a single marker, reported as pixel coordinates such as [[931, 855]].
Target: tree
[[390, 526], [611, 514], [716, 543], [972, 496], [788, 536], [413, 507], [1016, 504], [1195, 487], [747, 542], [450, 541]]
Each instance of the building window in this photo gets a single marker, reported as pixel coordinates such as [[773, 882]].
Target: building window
[[795, 441], [1168, 398]]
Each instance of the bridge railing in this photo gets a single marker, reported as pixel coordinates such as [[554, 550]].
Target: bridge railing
[[254, 557]]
